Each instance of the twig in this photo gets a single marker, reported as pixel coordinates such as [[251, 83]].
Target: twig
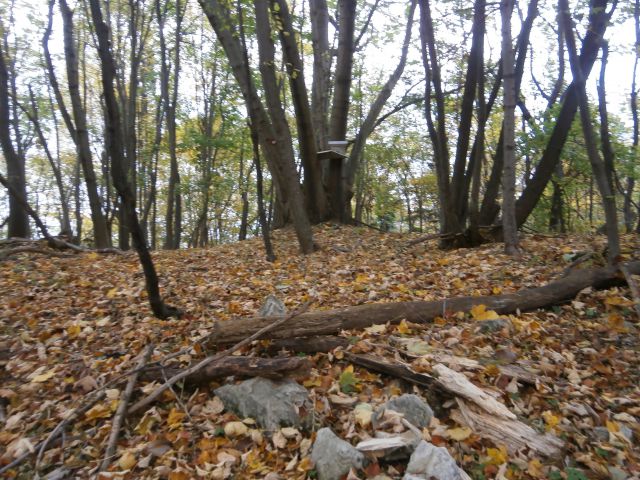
[[214, 358], [426, 238], [581, 259], [633, 286], [120, 415], [99, 395]]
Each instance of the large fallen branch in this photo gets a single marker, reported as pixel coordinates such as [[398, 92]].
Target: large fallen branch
[[273, 368], [329, 322]]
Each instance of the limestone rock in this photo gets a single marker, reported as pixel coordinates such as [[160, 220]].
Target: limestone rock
[[333, 457], [414, 409], [271, 404], [429, 462]]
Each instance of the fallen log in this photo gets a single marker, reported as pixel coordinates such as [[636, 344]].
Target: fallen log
[[315, 344], [331, 322], [273, 368]]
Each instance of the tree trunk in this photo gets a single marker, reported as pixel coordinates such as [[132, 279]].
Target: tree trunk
[[369, 123], [340, 106], [320, 89], [16, 176], [599, 19], [600, 170], [272, 132], [509, 227], [118, 165], [316, 200], [81, 132]]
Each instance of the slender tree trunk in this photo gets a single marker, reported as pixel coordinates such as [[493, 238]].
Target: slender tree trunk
[[598, 166], [599, 19], [509, 227], [628, 214], [320, 89], [81, 135], [34, 117], [16, 177], [118, 165]]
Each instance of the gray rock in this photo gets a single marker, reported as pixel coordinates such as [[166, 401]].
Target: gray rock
[[492, 326], [271, 404], [333, 457], [272, 307], [429, 462], [414, 409]]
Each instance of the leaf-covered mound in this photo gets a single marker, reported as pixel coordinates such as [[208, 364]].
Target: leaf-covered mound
[[68, 325]]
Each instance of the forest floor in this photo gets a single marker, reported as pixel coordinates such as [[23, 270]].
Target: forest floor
[[69, 324]]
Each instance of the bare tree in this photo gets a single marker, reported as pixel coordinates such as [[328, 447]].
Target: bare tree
[[118, 165]]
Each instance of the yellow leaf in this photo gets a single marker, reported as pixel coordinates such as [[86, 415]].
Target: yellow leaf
[[234, 307], [459, 284], [362, 278], [480, 312], [550, 419], [127, 461], [74, 330], [536, 469], [496, 290], [459, 434], [403, 328], [175, 419], [93, 256], [235, 429], [100, 410], [618, 301], [492, 370], [613, 427], [112, 293], [616, 322], [497, 456], [44, 376]]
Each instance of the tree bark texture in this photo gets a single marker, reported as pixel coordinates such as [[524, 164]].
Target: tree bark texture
[[509, 227], [330, 322], [16, 176]]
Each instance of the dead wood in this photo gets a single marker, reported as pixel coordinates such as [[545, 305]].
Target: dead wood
[[515, 435], [213, 359], [273, 368], [324, 343], [121, 412], [8, 252], [331, 322], [489, 418]]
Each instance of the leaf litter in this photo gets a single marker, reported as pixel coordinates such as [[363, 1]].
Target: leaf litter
[[70, 325]]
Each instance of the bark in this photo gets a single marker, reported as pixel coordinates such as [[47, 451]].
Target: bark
[[18, 225], [118, 165], [273, 134], [340, 106], [599, 19], [273, 368], [315, 198], [80, 131], [320, 89], [331, 322], [509, 227], [601, 171], [628, 194]]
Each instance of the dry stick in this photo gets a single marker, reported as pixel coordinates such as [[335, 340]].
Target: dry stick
[[189, 371], [63, 424], [633, 286], [120, 415], [42, 446]]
